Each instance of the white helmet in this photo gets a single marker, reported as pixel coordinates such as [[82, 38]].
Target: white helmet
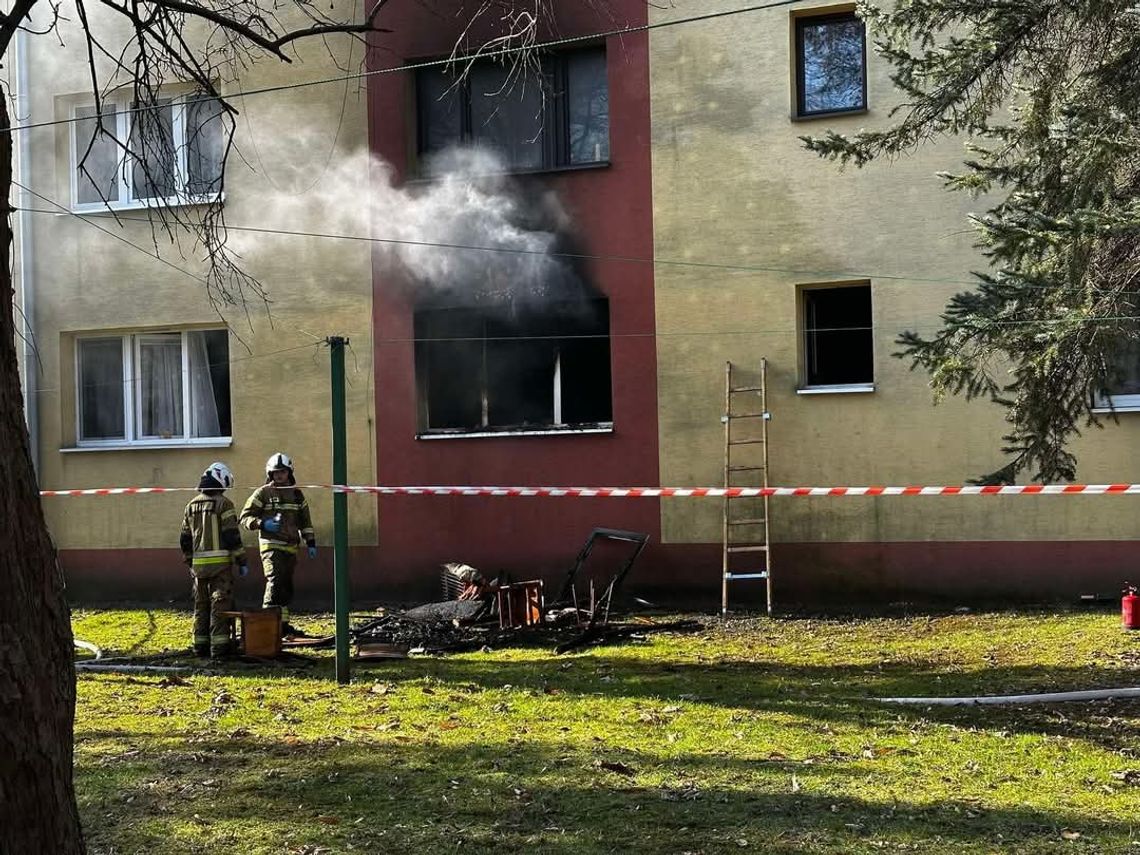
[[278, 460], [220, 473]]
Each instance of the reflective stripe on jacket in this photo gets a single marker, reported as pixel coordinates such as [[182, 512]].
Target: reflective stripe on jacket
[[296, 522], [210, 535]]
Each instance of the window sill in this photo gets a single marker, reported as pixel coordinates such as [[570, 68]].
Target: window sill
[[834, 114], [1108, 411], [143, 205], [839, 389], [541, 170], [604, 427], [148, 445]]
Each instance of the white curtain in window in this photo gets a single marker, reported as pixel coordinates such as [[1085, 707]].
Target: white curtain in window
[[203, 402], [160, 386]]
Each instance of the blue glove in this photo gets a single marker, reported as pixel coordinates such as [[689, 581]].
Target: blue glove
[[243, 570], [312, 552], [271, 525]]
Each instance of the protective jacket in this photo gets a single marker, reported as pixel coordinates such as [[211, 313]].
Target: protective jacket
[[210, 535], [290, 506]]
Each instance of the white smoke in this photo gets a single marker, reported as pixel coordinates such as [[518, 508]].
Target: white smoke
[[470, 234], [472, 202]]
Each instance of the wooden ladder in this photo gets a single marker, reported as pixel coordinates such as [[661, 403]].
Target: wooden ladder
[[747, 551]]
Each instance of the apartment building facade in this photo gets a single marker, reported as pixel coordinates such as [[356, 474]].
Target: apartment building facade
[[657, 150], [136, 377]]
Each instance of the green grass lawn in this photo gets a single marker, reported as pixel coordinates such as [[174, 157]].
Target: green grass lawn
[[760, 735]]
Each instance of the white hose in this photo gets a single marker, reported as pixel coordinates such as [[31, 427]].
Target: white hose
[[89, 647], [1046, 698], [111, 667], [130, 669]]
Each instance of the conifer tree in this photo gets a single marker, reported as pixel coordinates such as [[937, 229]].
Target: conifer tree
[[1046, 94]]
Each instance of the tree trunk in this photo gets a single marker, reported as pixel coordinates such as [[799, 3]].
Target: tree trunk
[[37, 678]]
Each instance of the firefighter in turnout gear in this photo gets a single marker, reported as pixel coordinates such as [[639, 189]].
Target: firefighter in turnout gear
[[211, 545], [279, 513]]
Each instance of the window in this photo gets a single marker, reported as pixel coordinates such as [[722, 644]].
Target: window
[[837, 338], [495, 370], [175, 154], [561, 119], [1125, 394], [831, 65], [153, 387]]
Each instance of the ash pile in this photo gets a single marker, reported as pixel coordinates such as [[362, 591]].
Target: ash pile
[[478, 612]]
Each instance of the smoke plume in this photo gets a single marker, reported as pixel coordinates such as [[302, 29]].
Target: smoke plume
[[469, 235]]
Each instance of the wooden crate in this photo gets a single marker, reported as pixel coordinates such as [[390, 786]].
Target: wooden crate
[[260, 632], [520, 604]]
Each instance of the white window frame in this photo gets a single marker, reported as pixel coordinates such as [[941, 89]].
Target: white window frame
[[1116, 404], [132, 418], [124, 170]]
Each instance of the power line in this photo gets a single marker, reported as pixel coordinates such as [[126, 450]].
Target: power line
[[207, 365], [65, 210], [625, 259], [439, 63]]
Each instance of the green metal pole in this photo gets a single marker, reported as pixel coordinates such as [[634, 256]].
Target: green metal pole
[[340, 509]]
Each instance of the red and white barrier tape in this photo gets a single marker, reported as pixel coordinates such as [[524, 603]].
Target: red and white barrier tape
[[663, 492]]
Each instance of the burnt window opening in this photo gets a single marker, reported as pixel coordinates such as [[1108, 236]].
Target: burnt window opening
[[488, 369], [559, 119], [837, 336]]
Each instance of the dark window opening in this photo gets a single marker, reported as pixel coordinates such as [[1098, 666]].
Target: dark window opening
[[561, 117], [831, 64], [484, 369], [1124, 377], [217, 344], [838, 337], [101, 389]]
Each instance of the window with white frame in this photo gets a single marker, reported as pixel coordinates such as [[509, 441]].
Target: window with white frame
[[153, 387], [168, 152]]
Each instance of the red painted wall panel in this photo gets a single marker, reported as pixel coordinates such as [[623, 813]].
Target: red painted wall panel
[[611, 209], [679, 574]]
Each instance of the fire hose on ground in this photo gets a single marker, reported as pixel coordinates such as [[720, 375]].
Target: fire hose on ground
[[1041, 698], [99, 665]]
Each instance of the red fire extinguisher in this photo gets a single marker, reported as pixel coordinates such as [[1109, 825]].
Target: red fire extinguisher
[[1130, 607]]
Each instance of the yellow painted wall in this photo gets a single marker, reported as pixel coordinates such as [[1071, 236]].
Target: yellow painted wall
[[299, 151], [733, 185]]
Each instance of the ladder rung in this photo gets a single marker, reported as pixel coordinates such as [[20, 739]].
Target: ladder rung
[[744, 389], [755, 521], [747, 442], [748, 415], [732, 576], [747, 549], [745, 468]]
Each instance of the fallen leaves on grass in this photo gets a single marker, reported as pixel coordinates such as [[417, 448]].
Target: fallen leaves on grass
[[615, 767]]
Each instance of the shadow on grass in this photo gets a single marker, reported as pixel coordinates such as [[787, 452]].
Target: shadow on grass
[[245, 795], [836, 695]]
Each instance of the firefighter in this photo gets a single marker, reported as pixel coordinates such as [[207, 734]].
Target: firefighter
[[211, 546], [279, 513]]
